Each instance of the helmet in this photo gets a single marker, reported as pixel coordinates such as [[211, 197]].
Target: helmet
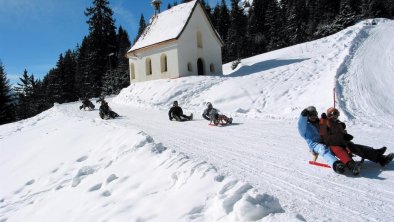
[[209, 105], [175, 103], [332, 111], [311, 109]]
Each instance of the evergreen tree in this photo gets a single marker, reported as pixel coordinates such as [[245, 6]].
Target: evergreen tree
[[141, 28], [377, 9], [7, 108], [102, 42], [62, 79], [26, 94], [273, 26], [235, 44], [122, 69], [348, 14], [297, 19], [257, 41], [84, 77], [118, 76], [224, 21]]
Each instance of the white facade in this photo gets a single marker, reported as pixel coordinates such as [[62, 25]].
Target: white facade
[[195, 49]]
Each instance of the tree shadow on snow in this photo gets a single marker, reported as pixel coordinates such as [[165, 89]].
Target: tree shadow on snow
[[263, 66], [372, 170]]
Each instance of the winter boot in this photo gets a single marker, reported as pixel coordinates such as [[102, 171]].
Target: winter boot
[[339, 167], [354, 167], [382, 150], [386, 159], [191, 117]]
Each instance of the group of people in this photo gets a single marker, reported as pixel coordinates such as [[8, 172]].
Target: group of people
[[328, 138], [210, 113], [105, 111]]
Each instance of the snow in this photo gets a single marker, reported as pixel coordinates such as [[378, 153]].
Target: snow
[[69, 165], [165, 26]]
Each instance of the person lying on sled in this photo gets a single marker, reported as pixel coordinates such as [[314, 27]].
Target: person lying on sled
[[214, 117]]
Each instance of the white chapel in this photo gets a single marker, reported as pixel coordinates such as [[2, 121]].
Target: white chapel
[[178, 42]]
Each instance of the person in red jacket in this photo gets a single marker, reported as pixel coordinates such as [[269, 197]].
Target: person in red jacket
[[334, 134]]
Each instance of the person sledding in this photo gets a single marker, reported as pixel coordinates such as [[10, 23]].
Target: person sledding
[[214, 116], [105, 111], [308, 127], [176, 113], [86, 103], [334, 134]]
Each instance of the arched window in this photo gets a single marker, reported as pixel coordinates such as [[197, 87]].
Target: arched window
[[163, 63], [212, 68], [148, 66], [132, 71], [189, 67], [199, 40]]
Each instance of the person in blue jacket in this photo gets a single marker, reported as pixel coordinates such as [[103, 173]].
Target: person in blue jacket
[[308, 127]]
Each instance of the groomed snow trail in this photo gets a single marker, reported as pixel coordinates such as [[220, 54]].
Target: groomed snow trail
[[270, 155]]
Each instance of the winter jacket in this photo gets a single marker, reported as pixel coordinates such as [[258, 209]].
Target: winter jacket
[[309, 131], [333, 132], [175, 111], [210, 114]]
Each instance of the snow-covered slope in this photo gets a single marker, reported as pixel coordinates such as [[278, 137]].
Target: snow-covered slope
[[69, 165]]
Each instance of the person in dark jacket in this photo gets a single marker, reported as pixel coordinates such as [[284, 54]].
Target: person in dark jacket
[[86, 103], [176, 113], [308, 127], [105, 111], [334, 134]]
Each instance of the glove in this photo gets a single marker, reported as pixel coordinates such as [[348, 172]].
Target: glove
[[304, 112], [347, 137], [343, 125], [324, 116]]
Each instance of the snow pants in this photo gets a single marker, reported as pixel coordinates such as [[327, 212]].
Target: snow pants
[[324, 152], [366, 152], [341, 153]]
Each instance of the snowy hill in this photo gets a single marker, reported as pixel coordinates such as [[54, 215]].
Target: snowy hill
[[70, 165]]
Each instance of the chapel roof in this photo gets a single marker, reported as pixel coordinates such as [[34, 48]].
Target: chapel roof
[[166, 26]]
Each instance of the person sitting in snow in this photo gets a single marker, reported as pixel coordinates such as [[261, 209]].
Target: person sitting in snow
[[105, 111], [86, 103], [334, 134], [176, 113], [308, 127], [214, 116]]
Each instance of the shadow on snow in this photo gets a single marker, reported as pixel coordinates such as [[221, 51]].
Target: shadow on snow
[[263, 66]]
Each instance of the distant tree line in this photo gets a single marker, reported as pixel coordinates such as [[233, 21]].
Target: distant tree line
[[267, 25], [99, 67], [96, 67]]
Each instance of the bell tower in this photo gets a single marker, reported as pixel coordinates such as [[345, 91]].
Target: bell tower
[[156, 6]]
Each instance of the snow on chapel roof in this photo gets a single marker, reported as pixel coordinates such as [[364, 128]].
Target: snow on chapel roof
[[165, 26]]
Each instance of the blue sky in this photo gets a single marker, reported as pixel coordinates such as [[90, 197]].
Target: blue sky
[[33, 33]]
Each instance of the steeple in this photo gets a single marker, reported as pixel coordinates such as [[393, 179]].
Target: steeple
[[156, 6]]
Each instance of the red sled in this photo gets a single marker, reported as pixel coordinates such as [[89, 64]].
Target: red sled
[[319, 164]]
